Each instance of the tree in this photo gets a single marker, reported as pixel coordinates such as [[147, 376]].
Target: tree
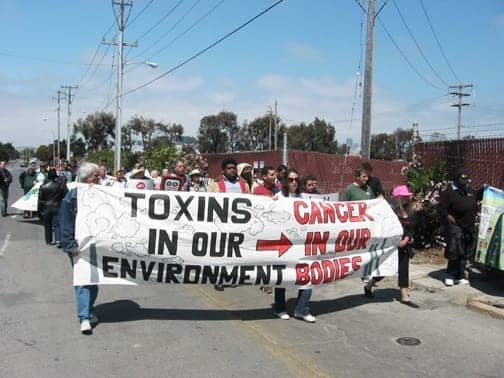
[[160, 157], [211, 137], [383, 146], [97, 130], [404, 143], [255, 135], [318, 136], [143, 127], [44, 152], [8, 152]]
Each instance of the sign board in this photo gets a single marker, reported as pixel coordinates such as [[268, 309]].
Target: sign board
[[132, 237]]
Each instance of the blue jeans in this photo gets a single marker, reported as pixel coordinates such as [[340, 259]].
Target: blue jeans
[[85, 296], [302, 301]]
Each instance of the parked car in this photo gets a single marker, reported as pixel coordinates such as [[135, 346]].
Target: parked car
[[23, 164]]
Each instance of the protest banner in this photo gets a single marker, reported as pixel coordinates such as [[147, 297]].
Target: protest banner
[[133, 236], [29, 201], [490, 243]]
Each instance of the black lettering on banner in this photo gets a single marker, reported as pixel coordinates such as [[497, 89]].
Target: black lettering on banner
[[147, 271], [242, 215], [234, 244], [127, 269], [187, 274], [215, 207], [183, 208], [209, 274], [196, 249], [243, 274], [229, 278], [165, 241], [166, 206], [107, 268], [279, 269], [171, 270], [263, 277], [214, 252], [134, 202], [201, 208], [160, 271]]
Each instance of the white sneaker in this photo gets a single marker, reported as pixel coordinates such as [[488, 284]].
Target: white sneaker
[[307, 318], [282, 315], [462, 281], [448, 281], [93, 319], [85, 327]]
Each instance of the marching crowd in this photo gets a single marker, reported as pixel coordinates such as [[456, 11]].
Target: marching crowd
[[58, 206]]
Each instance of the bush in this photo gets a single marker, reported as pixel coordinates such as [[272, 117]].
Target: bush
[[427, 184]]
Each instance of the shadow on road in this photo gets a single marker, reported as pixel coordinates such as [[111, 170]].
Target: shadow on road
[[127, 310]]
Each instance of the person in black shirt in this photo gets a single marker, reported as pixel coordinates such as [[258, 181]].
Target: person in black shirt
[[5, 181], [458, 207]]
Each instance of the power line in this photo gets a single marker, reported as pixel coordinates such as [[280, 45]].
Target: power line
[[169, 30], [166, 15], [141, 11], [406, 58], [417, 44], [94, 55], [438, 43], [205, 49], [38, 59], [180, 35]]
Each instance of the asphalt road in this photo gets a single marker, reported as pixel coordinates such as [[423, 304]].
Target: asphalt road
[[192, 331]]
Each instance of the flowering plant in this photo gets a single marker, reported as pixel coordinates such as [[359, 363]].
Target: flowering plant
[[427, 184]]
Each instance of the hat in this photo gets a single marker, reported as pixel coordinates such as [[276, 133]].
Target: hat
[[33, 161], [461, 174], [137, 173], [240, 167], [194, 172], [401, 191]]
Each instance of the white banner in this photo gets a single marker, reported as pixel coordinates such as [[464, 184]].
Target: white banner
[[133, 236], [29, 201]]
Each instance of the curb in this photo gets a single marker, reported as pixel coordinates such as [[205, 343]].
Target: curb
[[484, 305]]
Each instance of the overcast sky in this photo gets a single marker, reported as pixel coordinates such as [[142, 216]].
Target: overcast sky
[[303, 53]]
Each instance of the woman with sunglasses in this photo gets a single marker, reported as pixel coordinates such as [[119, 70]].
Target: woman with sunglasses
[[291, 188]]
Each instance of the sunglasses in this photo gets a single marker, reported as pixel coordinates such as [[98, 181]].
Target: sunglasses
[[293, 179]]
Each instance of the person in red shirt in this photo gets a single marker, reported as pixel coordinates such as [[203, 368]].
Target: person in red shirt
[[268, 188], [229, 182]]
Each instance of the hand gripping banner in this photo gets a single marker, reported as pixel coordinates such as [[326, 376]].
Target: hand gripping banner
[[136, 236]]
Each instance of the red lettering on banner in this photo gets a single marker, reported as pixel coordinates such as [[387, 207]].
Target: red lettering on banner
[[326, 271], [312, 212], [352, 239], [302, 274], [301, 219]]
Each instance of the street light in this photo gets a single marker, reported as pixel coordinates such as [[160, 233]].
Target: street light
[[121, 65]]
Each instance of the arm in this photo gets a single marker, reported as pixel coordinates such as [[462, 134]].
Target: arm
[[67, 214]]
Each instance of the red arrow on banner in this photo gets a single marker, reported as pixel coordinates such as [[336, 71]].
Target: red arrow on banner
[[282, 245]]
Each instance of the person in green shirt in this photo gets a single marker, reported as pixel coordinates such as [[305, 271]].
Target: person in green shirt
[[359, 190]]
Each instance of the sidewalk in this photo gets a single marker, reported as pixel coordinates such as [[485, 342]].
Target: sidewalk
[[485, 292]]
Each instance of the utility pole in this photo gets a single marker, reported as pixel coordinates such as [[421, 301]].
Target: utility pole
[[458, 91], [69, 96], [269, 140], [415, 137], [121, 24], [276, 131], [368, 81], [57, 162]]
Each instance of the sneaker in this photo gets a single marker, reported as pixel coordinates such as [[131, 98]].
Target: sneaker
[[93, 319], [282, 315], [448, 281], [85, 327], [219, 287], [307, 318], [462, 281]]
